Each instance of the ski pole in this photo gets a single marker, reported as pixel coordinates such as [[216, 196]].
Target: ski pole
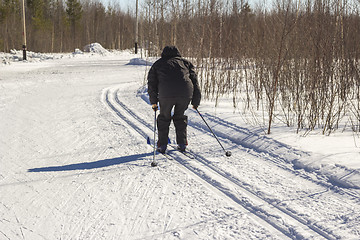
[[227, 153], [154, 161]]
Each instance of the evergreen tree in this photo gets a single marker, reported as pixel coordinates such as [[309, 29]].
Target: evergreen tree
[[74, 13], [10, 30]]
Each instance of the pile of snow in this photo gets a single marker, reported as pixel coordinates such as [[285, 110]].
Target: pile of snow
[[139, 62], [77, 51], [95, 48], [17, 55]]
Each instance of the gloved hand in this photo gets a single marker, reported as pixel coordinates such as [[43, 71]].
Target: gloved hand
[[154, 107], [195, 107]]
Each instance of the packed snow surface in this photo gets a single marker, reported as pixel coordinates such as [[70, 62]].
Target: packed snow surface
[[75, 163]]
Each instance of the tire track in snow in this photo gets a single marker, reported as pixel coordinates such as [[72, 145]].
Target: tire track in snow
[[282, 220]]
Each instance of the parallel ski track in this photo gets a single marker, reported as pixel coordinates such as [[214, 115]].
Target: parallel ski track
[[221, 180], [278, 160]]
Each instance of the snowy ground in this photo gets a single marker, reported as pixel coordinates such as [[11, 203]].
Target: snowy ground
[[75, 163]]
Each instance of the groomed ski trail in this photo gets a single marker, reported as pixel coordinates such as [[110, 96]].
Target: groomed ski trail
[[280, 218]]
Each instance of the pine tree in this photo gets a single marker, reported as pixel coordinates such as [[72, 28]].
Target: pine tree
[[74, 14], [10, 30]]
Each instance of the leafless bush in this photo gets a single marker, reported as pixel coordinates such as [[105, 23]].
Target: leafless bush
[[295, 62]]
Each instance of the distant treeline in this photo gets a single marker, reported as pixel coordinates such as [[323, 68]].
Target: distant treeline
[[62, 26], [297, 61]]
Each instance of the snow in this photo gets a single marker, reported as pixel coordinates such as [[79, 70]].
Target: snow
[[95, 48], [75, 163], [139, 61]]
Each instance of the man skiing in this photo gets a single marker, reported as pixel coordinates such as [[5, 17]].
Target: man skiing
[[173, 83]]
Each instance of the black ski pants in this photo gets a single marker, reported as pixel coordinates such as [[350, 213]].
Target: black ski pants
[[180, 120]]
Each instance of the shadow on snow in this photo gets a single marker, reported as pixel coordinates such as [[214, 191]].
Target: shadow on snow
[[92, 165]]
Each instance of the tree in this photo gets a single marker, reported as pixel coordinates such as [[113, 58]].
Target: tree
[[74, 13], [40, 24], [10, 30]]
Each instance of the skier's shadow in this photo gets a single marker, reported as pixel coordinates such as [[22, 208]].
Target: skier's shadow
[[92, 165]]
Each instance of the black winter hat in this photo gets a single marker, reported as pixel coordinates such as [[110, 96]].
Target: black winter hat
[[170, 51]]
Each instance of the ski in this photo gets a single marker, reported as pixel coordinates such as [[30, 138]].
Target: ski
[[188, 154]]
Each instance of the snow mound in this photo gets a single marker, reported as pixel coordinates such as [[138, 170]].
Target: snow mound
[[17, 55], [77, 51], [139, 62], [95, 48], [337, 174]]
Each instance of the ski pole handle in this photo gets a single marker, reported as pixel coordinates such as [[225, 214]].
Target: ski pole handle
[[155, 107]]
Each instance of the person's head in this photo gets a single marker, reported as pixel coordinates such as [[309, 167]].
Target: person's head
[[170, 51]]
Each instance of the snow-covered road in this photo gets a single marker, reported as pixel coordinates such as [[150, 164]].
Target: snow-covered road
[[75, 165]]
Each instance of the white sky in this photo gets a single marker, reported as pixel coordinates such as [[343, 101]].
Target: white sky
[[125, 4]]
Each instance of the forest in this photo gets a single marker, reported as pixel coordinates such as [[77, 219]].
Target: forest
[[295, 61]]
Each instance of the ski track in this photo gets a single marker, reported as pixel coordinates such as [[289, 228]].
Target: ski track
[[271, 154], [124, 112]]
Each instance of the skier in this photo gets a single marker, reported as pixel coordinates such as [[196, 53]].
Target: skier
[[173, 83]]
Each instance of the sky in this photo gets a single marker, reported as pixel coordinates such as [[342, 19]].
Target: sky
[[128, 3], [125, 4]]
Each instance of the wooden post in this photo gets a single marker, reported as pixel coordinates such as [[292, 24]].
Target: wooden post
[[24, 31], [136, 28]]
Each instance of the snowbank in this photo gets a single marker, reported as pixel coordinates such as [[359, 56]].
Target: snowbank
[[17, 55], [95, 48], [139, 62]]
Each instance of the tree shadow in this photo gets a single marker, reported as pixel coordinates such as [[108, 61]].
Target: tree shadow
[[92, 165]]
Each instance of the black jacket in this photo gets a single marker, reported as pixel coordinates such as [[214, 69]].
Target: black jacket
[[172, 76]]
